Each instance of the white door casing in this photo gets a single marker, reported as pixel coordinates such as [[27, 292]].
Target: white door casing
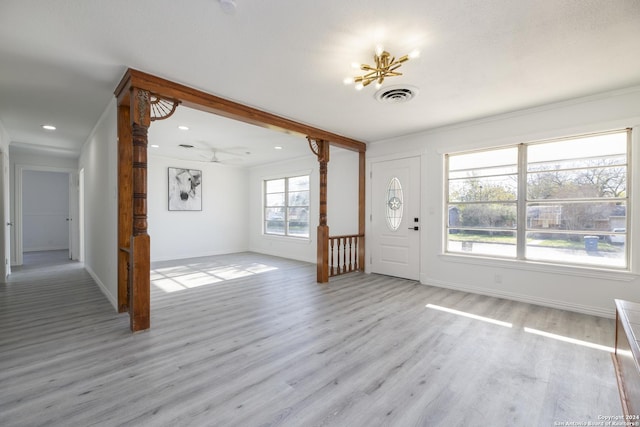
[[395, 215], [18, 222], [5, 214]]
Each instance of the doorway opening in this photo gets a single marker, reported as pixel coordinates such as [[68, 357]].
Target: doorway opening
[[46, 208]]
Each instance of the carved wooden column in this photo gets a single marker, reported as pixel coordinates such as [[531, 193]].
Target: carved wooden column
[[321, 149], [125, 205], [137, 108], [140, 264], [361, 208]]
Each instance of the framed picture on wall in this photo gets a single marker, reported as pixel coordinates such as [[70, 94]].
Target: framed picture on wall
[[185, 189]]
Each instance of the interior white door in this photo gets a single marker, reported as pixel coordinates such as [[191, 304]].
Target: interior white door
[[395, 218]]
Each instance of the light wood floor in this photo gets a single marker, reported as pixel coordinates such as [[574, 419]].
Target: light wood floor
[[251, 340]]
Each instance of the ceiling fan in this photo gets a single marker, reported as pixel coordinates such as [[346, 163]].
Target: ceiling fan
[[204, 152], [231, 155], [211, 158]]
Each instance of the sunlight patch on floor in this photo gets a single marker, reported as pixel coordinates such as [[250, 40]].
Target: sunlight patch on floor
[[469, 315], [181, 277], [569, 340], [526, 329]]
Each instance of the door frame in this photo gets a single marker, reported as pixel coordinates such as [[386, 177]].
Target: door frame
[[5, 214], [369, 205], [17, 220]]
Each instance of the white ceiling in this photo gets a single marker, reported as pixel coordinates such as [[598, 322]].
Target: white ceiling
[[234, 143], [60, 60]]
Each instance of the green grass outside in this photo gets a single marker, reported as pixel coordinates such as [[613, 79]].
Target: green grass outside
[[548, 243]]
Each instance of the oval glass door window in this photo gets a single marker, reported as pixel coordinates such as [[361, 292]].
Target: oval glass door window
[[395, 202]]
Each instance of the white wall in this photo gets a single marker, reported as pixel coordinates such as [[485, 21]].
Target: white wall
[[342, 203], [99, 160], [45, 210], [342, 192], [579, 289], [222, 225]]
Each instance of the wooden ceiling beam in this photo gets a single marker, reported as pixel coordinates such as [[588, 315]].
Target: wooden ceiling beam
[[203, 101]]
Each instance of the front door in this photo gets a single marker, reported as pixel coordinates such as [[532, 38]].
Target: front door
[[395, 218]]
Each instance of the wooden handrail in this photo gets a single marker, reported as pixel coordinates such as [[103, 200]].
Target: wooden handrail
[[343, 254]]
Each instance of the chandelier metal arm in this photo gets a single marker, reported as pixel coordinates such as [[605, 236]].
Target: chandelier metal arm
[[385, 66]]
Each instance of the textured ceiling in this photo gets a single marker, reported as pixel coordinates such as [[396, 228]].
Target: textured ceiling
[[60, 60]]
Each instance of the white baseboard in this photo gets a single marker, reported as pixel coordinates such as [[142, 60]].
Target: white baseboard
[[197, 254], [112, 299], [546, 302]]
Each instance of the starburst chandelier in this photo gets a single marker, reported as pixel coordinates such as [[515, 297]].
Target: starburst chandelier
[[385, 66]]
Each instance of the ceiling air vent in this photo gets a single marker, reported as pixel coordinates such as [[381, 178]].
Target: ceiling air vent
[[185, 145], [396, 94]]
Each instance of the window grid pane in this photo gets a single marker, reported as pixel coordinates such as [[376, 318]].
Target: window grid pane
[[576, 206], [482, 192], [286, 210]]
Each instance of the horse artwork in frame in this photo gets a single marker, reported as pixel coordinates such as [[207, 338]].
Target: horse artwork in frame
[[185, 189]]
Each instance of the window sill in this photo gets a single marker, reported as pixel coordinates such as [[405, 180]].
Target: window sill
[[288, 239], [544, 267]]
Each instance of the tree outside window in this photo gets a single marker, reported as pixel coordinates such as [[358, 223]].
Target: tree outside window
[[575, 209]]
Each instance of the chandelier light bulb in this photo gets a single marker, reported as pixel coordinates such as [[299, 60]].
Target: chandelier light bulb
[[379, 50], [348, 80], [415, 53], [359, 86]]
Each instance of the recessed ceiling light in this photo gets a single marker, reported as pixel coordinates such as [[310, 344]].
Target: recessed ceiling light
[[183, 127], [277, 147], [155, 146], [48, 127]]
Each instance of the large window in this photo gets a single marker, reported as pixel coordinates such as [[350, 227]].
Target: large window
[[562, 201], [286, 206]]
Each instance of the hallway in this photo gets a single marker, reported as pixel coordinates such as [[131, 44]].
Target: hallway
[[34, 261]]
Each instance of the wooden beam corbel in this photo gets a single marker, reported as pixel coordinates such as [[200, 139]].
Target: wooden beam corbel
[[162, 108]]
